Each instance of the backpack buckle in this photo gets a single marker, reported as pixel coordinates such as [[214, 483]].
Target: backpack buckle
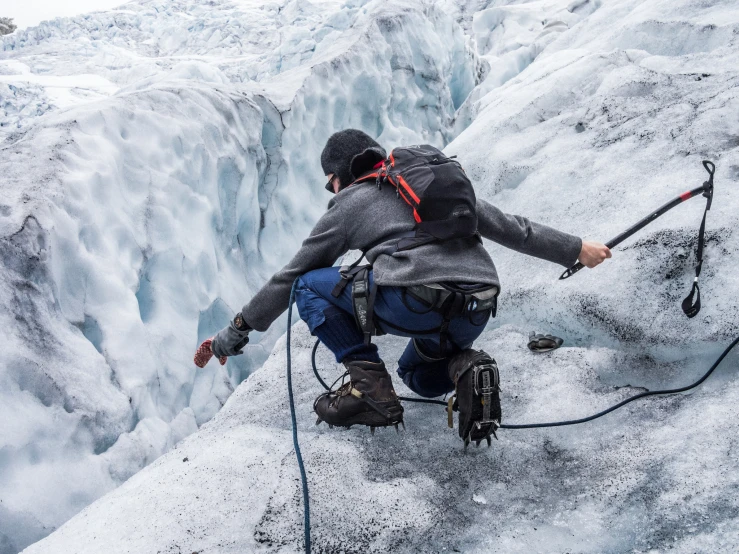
[[381, 176]]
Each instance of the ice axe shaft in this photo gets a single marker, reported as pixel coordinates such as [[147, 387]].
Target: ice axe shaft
[[706, 189]]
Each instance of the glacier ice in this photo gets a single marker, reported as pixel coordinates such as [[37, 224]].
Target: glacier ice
[[100, 216], [155, 194], [145, 205]]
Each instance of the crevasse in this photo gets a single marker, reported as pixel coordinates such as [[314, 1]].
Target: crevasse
[[154, 199]]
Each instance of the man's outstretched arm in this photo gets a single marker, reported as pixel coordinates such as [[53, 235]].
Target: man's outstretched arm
[[326, 243], [528, 237]]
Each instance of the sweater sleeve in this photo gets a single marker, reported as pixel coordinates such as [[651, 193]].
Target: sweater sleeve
[[523, 235], [325, 244]]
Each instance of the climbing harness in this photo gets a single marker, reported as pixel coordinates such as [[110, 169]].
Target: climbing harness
[[451, 300], [690, 307], [448, 299], [363, 296]]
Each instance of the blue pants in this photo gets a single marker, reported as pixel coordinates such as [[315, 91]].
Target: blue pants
[[422, 366]]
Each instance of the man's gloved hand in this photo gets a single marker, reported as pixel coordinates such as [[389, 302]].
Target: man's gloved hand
[[205, 353], [231, 339]]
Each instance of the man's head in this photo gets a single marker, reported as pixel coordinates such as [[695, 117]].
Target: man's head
[[337, 155]]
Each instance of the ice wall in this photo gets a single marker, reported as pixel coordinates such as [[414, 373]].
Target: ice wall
[[120, 225], [148, 193]]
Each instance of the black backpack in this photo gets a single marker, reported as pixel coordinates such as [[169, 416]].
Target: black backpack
[[444, 207], [435, 186]]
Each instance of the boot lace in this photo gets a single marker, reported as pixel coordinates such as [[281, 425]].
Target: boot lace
[[343, 390]]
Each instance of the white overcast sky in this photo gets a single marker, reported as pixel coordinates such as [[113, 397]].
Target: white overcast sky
[[32, 12]]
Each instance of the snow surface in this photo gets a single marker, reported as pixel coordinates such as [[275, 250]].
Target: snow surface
[[647, 478], [135, 225]]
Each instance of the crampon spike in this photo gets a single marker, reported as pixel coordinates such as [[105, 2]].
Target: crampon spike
[[403, 424], [396, 429], [319, 421], [477, 444], [489, 440], [372, 431]]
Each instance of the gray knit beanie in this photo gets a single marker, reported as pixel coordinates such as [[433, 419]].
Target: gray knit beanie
[[341, 148]]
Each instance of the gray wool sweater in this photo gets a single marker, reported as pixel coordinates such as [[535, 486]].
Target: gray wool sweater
[[361, 215]]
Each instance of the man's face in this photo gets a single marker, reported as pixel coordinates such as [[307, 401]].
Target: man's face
[[334, 181]]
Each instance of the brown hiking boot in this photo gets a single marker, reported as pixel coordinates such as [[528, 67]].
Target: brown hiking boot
[[476, 395], [367, 399]]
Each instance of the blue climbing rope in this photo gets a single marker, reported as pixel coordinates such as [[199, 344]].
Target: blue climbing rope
[[306, 499]]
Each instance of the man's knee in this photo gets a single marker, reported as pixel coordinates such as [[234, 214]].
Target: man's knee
[[313, 296], [302, 291], [310, 304], [318, 280], [307, 288]]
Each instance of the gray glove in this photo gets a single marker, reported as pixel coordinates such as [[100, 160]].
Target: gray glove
[[230, 340]]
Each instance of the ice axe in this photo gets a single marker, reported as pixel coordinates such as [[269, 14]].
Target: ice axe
[[690, 308]]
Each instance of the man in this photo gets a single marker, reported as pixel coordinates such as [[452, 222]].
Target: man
[[415, 290]]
